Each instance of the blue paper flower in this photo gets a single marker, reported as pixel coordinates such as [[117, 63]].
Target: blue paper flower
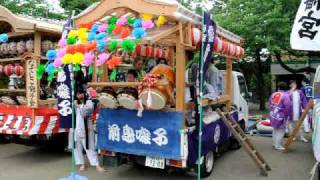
[[101, 45], [51, 55], [95, 28], [138, 33], [101, 36], [4, 38], [91, 36], [137, 23], [50, 68]]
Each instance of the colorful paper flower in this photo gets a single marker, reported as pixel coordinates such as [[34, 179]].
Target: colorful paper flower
[[117, 30], [114, 62], [4, 38], [71, 40], [77, 58], [125, 33], [95, 28], [101, 45], [113, 20], [50, 68], [131, 21], [122, 21], [138, 33], [128, 46], [71, 49], [62, 43], [67, 59], [73, 34], [102, 58], [137, 23], [110, 28], [51, 55], [62, 52], [88, 59], [148, 24], [113, 46], [81, 48], [161, 20], [146, 16], [91, 36], [101, 36], [58, 62], [103, 28]]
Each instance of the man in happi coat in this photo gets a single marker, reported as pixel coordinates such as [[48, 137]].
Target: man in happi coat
[[84, 130], [280, 108], [299, 103]]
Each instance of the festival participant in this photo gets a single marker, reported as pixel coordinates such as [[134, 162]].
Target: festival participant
[[138, 66], [307, 89], [131, 75], [299, 102], [280, 108], [84, 132]]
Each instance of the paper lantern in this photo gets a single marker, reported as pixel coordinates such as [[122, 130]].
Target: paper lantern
[[238, 51], [8, 70], [1, 69], [232, 49], [151, 52], [138, 50], [196, 36], [18, 70], [225, 47], [217, 45]]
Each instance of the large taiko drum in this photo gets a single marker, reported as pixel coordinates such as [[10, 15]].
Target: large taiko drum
[[108, 98], [157, 96], [127, 98]]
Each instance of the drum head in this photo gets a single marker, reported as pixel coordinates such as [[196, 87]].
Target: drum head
[[127, 101], [158, 99], [108, 101]]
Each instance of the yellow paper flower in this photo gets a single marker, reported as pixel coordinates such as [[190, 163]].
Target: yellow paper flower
[[146, 16], [73, 34], [82, 30], [83, 36], [77, 58], [67, 59], [161, 20]]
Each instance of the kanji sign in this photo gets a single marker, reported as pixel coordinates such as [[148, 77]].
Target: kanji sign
[[156, 134], [64, 93], [32, 84], [305, 32]]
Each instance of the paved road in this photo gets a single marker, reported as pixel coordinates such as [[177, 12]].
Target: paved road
[[29, 163]]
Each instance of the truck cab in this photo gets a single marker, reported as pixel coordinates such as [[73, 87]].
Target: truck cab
[[240, 96]]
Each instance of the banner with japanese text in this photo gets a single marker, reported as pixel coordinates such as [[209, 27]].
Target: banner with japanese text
[[156, 134], [305, 32], [64, 93]]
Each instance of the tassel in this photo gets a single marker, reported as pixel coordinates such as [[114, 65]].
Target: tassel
[[149, 99], [140, 108]]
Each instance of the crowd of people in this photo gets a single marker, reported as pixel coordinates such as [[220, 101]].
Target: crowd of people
[[286, 107]]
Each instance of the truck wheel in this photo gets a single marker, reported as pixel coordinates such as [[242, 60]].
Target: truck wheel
[[208, 164]]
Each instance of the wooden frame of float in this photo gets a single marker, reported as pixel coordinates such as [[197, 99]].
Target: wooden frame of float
[[178, 37], [24, 27]]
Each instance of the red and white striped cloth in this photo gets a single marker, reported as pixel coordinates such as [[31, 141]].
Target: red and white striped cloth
[[19, 122]]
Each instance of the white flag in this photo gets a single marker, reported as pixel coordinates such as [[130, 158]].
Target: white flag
[[305, 33]]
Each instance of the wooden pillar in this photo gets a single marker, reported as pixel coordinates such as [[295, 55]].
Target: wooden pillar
[[37, 44], [104, 77], [180, 75], [94, 70], [37, 52], [229, 87]]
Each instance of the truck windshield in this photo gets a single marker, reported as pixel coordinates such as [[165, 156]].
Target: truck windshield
[[243, 86]]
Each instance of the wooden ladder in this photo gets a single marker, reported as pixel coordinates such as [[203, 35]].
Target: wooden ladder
[[240, 135]]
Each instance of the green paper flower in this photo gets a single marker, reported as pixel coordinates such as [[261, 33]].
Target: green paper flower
[[113, 75], [40, 70], [113, 20], [111, 27], [131, 21], [128, 46], [112, 46], [71, 41]]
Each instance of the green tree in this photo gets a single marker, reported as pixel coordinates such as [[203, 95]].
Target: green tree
[[262, 24], [35, 8], [76, 5]]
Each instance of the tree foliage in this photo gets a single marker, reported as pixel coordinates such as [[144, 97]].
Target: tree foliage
[[35, 8], [76, 5]]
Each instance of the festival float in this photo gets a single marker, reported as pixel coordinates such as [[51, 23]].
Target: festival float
[[144, 120], [24, 110]]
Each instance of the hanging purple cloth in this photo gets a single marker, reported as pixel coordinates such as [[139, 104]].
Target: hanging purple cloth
[[280, 106]]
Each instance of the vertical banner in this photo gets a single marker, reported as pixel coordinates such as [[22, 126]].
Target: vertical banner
[[64, 93], [305, 32], [32, 83], [209, 35]]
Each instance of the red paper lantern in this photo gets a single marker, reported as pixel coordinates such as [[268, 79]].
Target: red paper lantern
[[217, 45], [8, 70], [151, 52], [1, 70], [238, 51], [18, 70], [232, 49], [196, 36], [138, 50], [225, 47]]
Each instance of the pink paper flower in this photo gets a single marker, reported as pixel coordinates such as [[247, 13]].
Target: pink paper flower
[[88, 59], [122, 21]]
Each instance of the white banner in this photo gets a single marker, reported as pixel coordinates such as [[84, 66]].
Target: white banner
[[305, 33]]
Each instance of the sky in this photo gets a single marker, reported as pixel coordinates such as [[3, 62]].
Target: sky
[[55, 6]]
